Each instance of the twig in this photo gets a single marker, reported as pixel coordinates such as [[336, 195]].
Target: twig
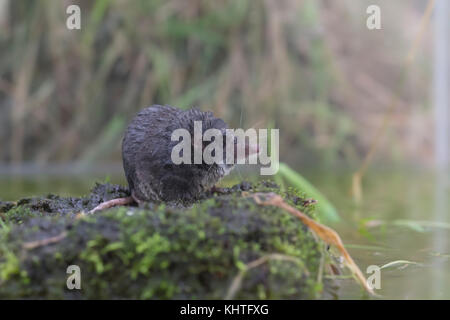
[[44, 242]]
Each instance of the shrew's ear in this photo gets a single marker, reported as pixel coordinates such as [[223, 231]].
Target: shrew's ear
[[218, 124]]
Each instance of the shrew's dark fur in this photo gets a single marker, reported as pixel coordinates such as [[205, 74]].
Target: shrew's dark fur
[[146, 153]]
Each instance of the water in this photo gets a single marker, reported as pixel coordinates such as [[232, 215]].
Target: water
[[403, 198], [393, 196]]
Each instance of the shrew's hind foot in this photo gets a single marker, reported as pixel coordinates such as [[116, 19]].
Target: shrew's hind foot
[[113, 203]]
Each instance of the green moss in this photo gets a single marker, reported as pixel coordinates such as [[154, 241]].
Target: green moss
[[18, 214], [164, 252]]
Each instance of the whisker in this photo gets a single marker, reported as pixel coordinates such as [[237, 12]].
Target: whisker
[[240, 120]]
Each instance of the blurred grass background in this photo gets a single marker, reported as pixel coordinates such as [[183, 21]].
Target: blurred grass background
[[310, 68]]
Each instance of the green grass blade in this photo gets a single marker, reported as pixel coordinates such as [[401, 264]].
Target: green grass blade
[[400, 263]]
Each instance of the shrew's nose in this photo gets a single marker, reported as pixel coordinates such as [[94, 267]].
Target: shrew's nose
[[251, 149]]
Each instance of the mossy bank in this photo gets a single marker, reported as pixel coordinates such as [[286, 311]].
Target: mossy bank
[[159, 252]]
